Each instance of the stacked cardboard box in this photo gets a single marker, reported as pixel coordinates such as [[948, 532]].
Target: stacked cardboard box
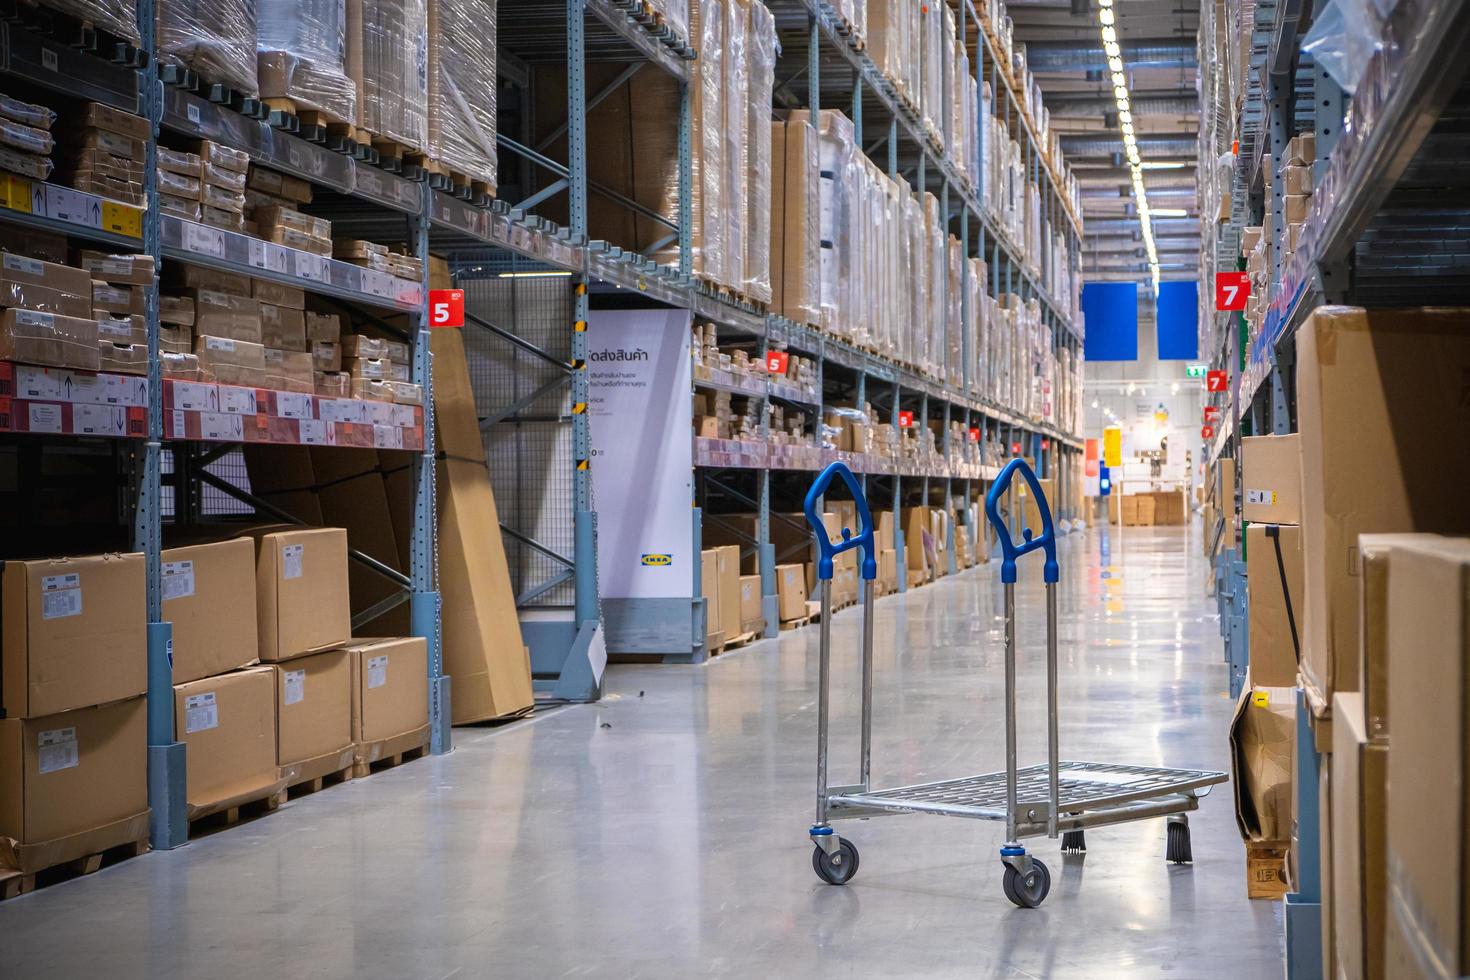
[[390, 698], [106, 153], [180, 183], [285, 194], [461, 87], [300, 49], [212, 38], [379, 258], [222, 178], [26, 141], [48, 314], [387, 63], [73, 739]]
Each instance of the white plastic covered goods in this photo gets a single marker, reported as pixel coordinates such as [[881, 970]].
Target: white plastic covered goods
[[461, 88], [299, 47], [213, 38], [387, 58]]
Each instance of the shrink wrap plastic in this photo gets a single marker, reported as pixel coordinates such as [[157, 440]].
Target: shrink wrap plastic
[[461, 87], [736, 162], [675, 14], [211, 37], [299, 48], [117, 16], [835, 160], [761, 52], [707, 248], [387, 58]]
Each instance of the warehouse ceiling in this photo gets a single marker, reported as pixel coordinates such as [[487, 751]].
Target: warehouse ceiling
[[1065, 53]]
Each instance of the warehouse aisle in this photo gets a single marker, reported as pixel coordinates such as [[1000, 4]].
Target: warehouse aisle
[[662, 832]]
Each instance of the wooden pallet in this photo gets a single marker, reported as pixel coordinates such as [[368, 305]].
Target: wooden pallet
[[399, 158], [314, 784], [213, 820], [15, 883], [734, 643], [312, 125], [363, 769], [791, 624]]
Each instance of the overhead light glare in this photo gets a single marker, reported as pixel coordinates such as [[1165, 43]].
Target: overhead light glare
[[1115, 64], [1110, 36], [1164, 165], [1171, 213], [1106, 16]]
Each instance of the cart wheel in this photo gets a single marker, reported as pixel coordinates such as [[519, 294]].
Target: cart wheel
[[1178, 850], [1073, 842], [1027, 890], [836, 869]]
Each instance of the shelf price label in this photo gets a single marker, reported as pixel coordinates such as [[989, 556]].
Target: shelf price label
[[905, 420], [1217, 381], [1232, 289], [1207, 432], [777, 361], [446, 307]]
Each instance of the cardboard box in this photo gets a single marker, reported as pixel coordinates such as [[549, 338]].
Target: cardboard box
[[36, 272], [50, 340], [1271, 479], [727, 574], [1376, 392], [791, 591], [125, 269], [390, 695], [1144, 509], [1225, 489], [751, 618], [221, 314], [1262, 748], [1297, 207], [1373, 661], [74, 633], [314, 716], [1273, 648], [709, 589], [72, 781], [228, 726], [1429, 762], [1359, 871], [301, 591], [1129, 506], [1298, 181], [209, 596], [1265, 871], [283, 328], [185, 277]]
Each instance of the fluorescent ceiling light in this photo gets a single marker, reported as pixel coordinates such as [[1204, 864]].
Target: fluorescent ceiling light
[[1170, 213], [532, 275]]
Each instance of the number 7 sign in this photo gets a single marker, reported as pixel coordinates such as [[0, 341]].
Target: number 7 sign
[[1232, 289], [446, 307]]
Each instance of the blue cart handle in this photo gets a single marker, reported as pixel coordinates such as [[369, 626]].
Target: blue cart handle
[[1009, 550], [826, 550]]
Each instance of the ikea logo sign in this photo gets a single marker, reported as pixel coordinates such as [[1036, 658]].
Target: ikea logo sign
[[658, 561]]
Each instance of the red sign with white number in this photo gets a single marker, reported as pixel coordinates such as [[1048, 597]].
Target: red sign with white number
[[776, 361], [1207, 432], [905, 420], [1212, 414], [974, 435], [1015, 449], [446, 307], [1045, 445], [1232, 289], [1216, 381]]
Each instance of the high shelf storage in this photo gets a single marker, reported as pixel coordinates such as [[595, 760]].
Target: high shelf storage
[[1327, 193]]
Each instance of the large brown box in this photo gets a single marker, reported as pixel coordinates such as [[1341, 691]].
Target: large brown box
[[1359, 778], [49, 339], [791, 591], [1271, 479], [301, 591], [1429, 762], [209, 597], [228, 727], [1373, 669], [1262, 746], [709, 590], [1143, 509], [388, 67], [72, 784], [751, 618], [313, 716], [727, 573], [799, 271], [1273, 650], [75, 633], [1383, 427], [390, 696]]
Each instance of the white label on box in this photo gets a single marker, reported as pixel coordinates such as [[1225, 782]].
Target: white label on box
[[117, 265], [98, 420], [201, 713], [192, 111], [220, 425], [178, 579], [21, 263], [403, 415], [295, 686], [291, 556], [377, 671], [34, 382], [219, 343], [109, 327], [45, 418], [313, 432], [387, 437], [213, 297], [195, 396], [203, 240], [61, 596], [32, 318], [126, 390], [237, 401], [293, 405], [1267, 497], [56, 749]]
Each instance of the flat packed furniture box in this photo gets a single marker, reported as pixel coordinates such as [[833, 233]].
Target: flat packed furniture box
[[390, 698], [209, 597], [301, 591], [228, 727], [314, 716]]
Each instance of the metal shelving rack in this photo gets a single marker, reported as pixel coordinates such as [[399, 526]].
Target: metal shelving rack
[[175, 450], [1389, 196]]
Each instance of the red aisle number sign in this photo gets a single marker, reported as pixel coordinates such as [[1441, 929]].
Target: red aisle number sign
[[974, 435], [1216, 381], [905, 420], [446, 307], [1212, 414], [776, 361], [1045, 445], [1015, 449], [1232, 289], [1207, 432]]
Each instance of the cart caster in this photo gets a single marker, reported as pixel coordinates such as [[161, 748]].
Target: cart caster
[[1073, 842], [1027, 889], [838, 867], [1178, 851]]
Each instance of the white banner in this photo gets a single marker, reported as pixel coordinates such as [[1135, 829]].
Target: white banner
[[638, 373]]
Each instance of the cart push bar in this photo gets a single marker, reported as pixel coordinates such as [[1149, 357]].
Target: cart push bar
[[1097, 794]]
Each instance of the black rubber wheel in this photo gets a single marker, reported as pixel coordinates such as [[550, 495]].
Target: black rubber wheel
[[1027, 890], [1178, 850], [1073, 842], [836, 869]]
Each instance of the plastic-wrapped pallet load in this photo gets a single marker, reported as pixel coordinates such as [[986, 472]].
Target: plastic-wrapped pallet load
[[707, 244], [761, 56], [461, 88], [835, 149], [387, 59], [800, 268], [675, 14], [299, 48], [120, 17], [736, 99], [213, 38]]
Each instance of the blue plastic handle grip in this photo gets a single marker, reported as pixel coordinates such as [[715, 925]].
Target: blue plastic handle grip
[[1008, 549], [826, 550]]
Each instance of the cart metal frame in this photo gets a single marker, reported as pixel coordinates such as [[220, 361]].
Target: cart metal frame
[[1049, 799]]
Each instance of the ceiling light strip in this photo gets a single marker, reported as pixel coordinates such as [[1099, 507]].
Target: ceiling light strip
[[1125, 125]]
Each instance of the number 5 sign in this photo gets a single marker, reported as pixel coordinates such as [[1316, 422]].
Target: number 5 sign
[[1232, 289], [446, 307]]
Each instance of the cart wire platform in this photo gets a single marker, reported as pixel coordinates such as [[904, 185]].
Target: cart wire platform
[[1056, 798]]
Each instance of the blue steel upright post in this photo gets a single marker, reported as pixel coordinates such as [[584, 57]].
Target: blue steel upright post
[[169, 822]]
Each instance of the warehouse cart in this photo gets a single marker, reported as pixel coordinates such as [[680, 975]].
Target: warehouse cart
[[1057, 797]]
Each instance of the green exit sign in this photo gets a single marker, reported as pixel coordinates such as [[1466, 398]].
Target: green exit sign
[[1196, 370]]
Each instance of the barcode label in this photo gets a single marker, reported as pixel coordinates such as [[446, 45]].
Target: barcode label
[[56, 749], [201, 713], [377, 671], [291, 560], [295, 686], [178, 579]]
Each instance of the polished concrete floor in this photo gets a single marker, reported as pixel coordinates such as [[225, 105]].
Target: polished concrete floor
[[662, 832]]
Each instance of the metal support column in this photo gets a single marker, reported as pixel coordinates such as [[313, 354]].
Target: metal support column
[[899, 556], [1302, 910], [766, 551]]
